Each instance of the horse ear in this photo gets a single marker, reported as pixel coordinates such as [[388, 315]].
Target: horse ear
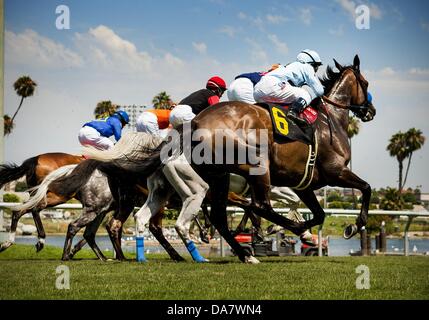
[[356, 62], [338, 66]]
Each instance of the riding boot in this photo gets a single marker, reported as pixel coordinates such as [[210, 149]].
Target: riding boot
[[295, 109]]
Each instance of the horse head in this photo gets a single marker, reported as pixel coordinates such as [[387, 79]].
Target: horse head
[[361, 100]]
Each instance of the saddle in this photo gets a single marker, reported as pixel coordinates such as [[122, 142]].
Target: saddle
[[286, 130]]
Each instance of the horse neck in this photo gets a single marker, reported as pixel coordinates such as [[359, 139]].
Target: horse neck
[[342, 94]]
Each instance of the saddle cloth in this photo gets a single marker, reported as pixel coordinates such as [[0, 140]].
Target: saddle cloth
[[285, 129]]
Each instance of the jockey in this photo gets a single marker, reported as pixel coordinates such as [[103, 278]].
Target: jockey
[[96, 133], [154, 121], [296, 84], [242, 88], [196, 102]]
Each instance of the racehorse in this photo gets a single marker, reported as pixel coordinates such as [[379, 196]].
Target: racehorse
[[35, 169], [345, 91], [94, 192]]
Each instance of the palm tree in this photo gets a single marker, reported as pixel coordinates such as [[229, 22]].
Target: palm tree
[[24, 88], [397, 147], [8, 124], [162, 101], [352, 130], [104, 109], [414, 140]]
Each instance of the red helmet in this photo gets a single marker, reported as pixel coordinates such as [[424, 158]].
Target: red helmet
[[216, 83]]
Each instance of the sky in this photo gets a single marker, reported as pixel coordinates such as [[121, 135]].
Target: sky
[[128, 51]]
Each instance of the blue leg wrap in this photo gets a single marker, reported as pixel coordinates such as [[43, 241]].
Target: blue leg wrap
[[194, 252], [140, 249]]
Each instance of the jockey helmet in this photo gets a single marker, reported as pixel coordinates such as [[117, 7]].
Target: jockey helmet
[[123, 116], [217, 84], [309, 56]]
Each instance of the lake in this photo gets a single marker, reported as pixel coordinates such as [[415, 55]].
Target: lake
[[337, 246]]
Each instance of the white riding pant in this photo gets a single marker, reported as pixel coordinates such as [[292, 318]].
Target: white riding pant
[[88, 136], [180, 114], [147, 122], [271, 90], [241, 89]]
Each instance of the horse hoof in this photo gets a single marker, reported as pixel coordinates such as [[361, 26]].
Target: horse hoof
[[65, 258], [350, 231], [251, 260], [5, 245], [39, 246]]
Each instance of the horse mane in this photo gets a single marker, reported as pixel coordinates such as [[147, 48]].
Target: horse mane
[[132, 144], [330, 78]]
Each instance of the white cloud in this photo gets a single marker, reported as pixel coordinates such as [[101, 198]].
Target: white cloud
[[276, 19], [241, 16], [350, 6], [106, 48], [201, 47], [306, 16], [338, 31], [228, 30], [419, 72], [30, 48], [280, 46], [425, 26], [388, 71], [258, 54], [375, 11]]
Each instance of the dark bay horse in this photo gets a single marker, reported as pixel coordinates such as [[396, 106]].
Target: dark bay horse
[[285, 165], [35, 169], [346, 90]]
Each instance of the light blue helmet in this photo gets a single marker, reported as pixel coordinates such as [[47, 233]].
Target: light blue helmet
[[310, 57], [123, 116]]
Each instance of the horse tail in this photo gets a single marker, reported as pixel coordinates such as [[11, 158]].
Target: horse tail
[[144, 162], [131, 144], [71, 183], [143, 167], [39, 192], [10, 172]]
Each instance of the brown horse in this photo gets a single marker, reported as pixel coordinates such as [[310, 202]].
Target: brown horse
[[346, 90], [285, 164], [35, 169]]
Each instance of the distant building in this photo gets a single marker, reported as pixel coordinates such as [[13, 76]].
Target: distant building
[[424, 199], [134, 112]]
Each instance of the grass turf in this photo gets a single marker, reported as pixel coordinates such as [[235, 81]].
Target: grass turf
[[25, 274]]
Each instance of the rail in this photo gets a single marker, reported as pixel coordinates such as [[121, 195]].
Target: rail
[[238, 211]]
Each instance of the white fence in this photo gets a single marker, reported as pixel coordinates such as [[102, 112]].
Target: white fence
[[410, 215]]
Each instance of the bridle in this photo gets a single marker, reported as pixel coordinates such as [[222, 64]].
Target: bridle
[[359, 110]]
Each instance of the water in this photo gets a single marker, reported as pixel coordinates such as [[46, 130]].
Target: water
[[337, 246]]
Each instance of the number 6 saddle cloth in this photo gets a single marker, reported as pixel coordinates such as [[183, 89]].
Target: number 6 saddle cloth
[[285, 130]]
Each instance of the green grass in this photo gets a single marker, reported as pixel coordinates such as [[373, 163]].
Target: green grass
[[27, 275]]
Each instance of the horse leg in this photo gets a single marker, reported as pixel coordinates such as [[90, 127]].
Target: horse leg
[[73, 228], [155, 226], [347, 179], [114, 229], [219, 188], [77, 248], [207, 224], [260, 185], [16, 215], [40, 230], [159, 193], [89, 236], [192, 190]]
